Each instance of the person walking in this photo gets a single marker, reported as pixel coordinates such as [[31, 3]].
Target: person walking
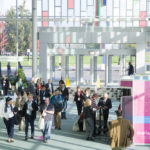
[[19, 86], [32, 88], [104, 105], [79, 100], [9, 119], [29, 112], [50, 87], [58, 102], [65, 94], [121, 132], [89, 120], [46, 111], [19, 104], [5, 85], [130, 69]]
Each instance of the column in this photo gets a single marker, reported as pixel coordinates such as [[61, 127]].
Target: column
[[95, 69], [140, 58], [109, 69], [106, 70], [67, 66], [121, 66], [52, 67], [124, 65], [91, 69], [81, 68], [77, 70], [63, 67]]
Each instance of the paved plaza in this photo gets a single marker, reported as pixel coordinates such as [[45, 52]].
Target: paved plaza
[[64, 139]]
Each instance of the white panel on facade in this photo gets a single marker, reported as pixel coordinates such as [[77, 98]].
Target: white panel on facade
[[83, 5], [129, 23], [64, 7], [129, 13], [136, 12], [142, 5], [129, 4], [103, 11], [77, 7], [90, 11], [123, 8], [57, 2], [39, 11], [77, 24], [51, 7], [45, 5], [103, 23], [51, 24], [116, 3], [135, 23], [122, 23], [109, 8], [70, 12], [90, 2], [116, 12], [116, 23], [84, 14], [136, 4], [57, 11]]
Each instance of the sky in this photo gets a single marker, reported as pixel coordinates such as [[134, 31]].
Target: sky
[[7, 4]]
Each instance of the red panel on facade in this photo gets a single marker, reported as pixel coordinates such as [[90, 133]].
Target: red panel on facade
[[70, 4], [142, 23], [45, 16], [143, 14]]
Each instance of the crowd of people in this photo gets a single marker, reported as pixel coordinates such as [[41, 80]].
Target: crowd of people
[[51, 104]]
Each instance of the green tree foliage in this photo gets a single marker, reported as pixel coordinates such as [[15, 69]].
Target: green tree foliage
[[24, 30], [21, 75]]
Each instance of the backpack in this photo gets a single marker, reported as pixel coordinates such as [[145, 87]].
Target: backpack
[[58, 102]]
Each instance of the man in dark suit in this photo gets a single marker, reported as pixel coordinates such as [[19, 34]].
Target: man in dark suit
[[130, 69], [43, 94], [65, 94], [104, 106], [29, 112], [5, 85], [50, 86]]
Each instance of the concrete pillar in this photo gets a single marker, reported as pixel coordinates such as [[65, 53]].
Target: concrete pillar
[[77, 69], [109, 69], [52, 67], [124, 65], [44, 62], [121, 66], [63, 67], [106, 70], [95, 69], [81, 69], [140, 58], [91, 69], [67, 66]]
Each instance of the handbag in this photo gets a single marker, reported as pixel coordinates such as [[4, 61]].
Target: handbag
[[84, 127], [22, 124], [41, 123], [75, 126]]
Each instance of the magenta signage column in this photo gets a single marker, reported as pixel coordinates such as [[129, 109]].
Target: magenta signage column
[[141, 112]]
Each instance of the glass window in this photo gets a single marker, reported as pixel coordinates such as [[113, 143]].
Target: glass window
[[57, 11], [70, 12], [77, 7], [83, 5], [57, 3], [116, 3], [109, 8], [64, 6], [116, 12], [129, 4], [45, 5], [90, 11], [129, 13], [51, 7], [142, 5], [123, 8], [103, 11]]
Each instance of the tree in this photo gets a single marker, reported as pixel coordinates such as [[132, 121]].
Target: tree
[[24, 30]]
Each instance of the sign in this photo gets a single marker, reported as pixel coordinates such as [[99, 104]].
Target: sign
[[141, 112]]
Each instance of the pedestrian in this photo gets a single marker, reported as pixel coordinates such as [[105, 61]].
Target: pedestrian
[[65, 94], [78, 98], [19, 86], [44, 93], [89, 120], [29, 112], [19, 104], [121, 132], [50, 87], [5, 85], [86, 94], [58, 102], [46, 111], [32, 88], [9, 119], [130, 69], [104, 105]]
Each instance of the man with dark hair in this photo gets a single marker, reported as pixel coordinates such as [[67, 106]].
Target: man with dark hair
[[5, 85], [130, 69], [121, 132]]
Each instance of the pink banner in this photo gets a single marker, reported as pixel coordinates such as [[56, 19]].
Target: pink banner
[[126, 84], [141, 112], [70, 4]]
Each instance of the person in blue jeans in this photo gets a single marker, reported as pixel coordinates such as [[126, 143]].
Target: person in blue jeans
[[9, 119], [46, 112], [29, 112]]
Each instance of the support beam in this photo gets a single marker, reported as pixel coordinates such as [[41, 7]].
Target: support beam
[[140, 58], [81, 68], [124, 65], [66, 66], [91, 69], [106, 70], [77, 70], [95, 69], [34, 38], [109, 69]]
